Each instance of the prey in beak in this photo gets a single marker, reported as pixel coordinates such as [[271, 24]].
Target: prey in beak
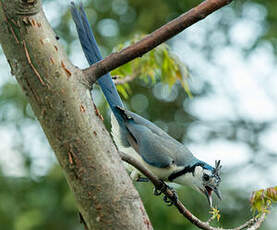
[[208, 193]]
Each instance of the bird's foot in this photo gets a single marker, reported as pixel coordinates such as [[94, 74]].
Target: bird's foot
[[157, 192], [162, 188], [169, 200], [173, 199]]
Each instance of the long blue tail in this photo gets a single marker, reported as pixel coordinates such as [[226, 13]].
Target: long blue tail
[[93, 55]]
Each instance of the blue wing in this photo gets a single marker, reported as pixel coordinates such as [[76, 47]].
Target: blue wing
[[154, 145]]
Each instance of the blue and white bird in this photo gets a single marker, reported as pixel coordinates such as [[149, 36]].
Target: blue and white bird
[[155, 149]]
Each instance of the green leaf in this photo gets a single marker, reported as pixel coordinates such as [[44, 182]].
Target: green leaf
[[261, 200], [215, 214], [157, 65]]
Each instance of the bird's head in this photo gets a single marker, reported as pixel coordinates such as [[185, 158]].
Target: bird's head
[[207, 179]]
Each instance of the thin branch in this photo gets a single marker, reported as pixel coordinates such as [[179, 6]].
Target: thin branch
[[251, 224], [258, 223], [153, 40]]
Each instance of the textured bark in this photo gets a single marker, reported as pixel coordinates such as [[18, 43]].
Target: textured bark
[[63, 105]]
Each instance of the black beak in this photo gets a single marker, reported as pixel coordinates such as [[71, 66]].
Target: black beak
[[218, 193]]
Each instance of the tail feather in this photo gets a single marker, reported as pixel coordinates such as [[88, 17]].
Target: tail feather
[[93, 55], [86, 36]]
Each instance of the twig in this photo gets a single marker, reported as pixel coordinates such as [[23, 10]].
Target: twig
[[153, 40], [258, 223], [251, 224]]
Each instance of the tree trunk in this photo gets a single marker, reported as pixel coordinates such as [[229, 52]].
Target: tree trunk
[[63, 105]]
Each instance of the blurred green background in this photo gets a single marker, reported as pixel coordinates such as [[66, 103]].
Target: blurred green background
[[231, 57]]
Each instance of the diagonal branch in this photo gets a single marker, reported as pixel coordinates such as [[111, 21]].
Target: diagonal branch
[[251, 224], [152, 40]]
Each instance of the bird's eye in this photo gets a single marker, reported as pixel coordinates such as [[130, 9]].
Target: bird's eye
[[206, 177]]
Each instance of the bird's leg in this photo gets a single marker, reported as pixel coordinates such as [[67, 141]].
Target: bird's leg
[[162, 189], [157, 192], [174, 199]]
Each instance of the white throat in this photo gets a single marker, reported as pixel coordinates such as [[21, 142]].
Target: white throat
[[191, 179]]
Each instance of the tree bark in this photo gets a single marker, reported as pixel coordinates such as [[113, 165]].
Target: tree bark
[[63, 105]]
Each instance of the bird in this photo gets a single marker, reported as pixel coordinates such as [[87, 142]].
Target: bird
[[157, 151]]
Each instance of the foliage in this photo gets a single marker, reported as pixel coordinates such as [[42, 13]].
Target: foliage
[[262, 199], [159, 63], [215, 214]]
